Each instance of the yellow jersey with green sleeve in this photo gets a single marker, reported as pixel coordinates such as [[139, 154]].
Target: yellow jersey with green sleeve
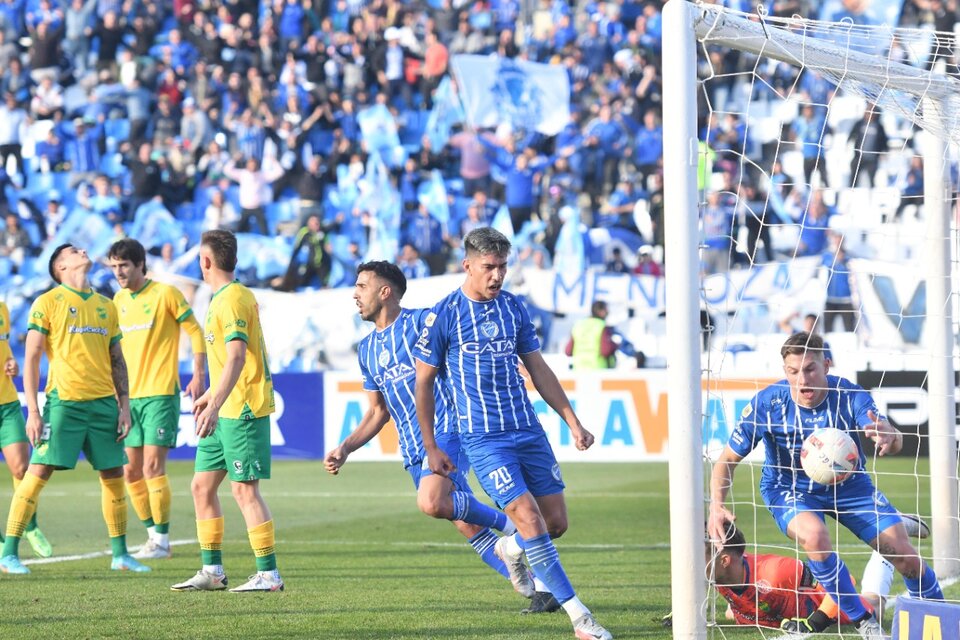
[[233, 315], [8, 392], [80, 327], [150, 320]]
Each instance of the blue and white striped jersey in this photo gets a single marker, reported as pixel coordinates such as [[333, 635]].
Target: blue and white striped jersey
[[478, 344], [387, 365], [773, 417]]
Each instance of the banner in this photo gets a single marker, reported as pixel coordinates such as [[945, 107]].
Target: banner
[[529, 96], [379, 130]]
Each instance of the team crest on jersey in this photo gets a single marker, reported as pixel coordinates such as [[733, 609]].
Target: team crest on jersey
[[209, 337], [102, 313], [763, 586], [556, 472], [123, 309], [489, 329], [384, 358], [238, 466], [747, 410], [73, 311], [161, 432], [430, 319]]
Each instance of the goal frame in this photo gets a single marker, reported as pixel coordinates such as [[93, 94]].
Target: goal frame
[[685, 23]]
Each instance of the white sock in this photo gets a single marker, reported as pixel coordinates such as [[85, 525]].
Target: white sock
[[215, 569], [512, 546], [877, 576], [162, 539], [509, 528], [538, 585], [151, 532], [575, 609]]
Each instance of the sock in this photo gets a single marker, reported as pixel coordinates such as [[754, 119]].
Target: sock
[[575, 609], [262, 541], [832, 573], [140, 499], [159, 490], [483, 544], [538, 585], [113, 502], [22, 508], [509, 529], [545, 563], [819, 621], [33, 520], [877, 576], [210, 535], [467, 508], [926, 586]]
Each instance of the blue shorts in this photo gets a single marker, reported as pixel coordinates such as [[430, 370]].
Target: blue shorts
[[511, 463], [450, 444], [862, 509]]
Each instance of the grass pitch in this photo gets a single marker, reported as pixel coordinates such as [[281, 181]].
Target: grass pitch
[[358, 559]]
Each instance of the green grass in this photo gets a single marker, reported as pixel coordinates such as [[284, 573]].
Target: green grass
[[358, 559]]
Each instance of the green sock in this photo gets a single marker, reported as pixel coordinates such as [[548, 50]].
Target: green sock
[[162, 528], [119, 546], [211, 556], [11, 546], [148, 522], [267, 562]]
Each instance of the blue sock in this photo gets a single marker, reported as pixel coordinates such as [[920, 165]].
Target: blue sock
[[483, 544], [832, 573], [931, 588], [467, 508], [545, 564]]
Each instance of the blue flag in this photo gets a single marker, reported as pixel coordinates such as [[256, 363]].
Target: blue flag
[[569, 255], [378, 130], [446, 112], [433, 194]]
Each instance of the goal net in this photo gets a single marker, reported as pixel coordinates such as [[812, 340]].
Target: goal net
[[810, 174]]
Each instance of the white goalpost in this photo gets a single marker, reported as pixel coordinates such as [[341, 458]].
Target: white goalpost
[[737, 138]]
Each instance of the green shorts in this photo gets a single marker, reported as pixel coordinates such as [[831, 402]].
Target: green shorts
[[154, 421], [239, 447], [13, 426], [71, 426]]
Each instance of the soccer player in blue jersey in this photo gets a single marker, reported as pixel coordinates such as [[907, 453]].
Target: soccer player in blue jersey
[[387, 366], [782, 416], [474, 337]]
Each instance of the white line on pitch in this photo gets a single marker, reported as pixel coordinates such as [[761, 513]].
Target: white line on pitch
[[458, 545], [368, 494], [93, 554]]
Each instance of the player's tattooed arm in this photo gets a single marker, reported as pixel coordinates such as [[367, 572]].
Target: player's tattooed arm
[[119, 368]]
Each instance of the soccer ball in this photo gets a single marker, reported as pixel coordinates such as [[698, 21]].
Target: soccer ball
[[829, 456]]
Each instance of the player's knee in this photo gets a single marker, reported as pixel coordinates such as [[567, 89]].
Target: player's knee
[[556, 526], [131, 475], [202, 493], [152, 468], [433, 507], [244, 493]]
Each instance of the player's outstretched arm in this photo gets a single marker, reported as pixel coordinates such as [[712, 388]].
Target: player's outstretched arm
[[720, 482], [886, 437], [439, 461], [547, 384], [118, 368], [198, 383], [370, 425], [35, 345]]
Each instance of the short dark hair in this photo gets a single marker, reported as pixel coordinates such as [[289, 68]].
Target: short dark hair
[[389, 272], [53, 260], [801, 343], [129, 249], [597, 307], [223, 246], [733, 541], [486, 241]]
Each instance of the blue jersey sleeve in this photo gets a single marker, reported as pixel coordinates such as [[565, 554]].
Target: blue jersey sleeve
[[431, 346], [861, 404], [746, 435], [527, 340], [368, 382]]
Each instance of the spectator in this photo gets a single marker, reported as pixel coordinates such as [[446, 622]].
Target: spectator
[[434, 67], [648, 146], [195, 127], [47, 99], [51, 153], [410, 263], [912, 192], [219, 214], [717, 220], [425, 233], [14, 242], [254, 181], [810, 131], [603, 142], [810, 325], [45, 54], [86, 147], [616, 264], [104, 202], [109, 32], [870, 142], [145, 177], [315, 268], [646, 264], [839, 277], [13, 124], [474, 166], [54, 215], [591, 342], [813, 226], [618, 209]]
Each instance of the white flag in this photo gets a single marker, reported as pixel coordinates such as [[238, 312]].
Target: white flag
[[527, 95]]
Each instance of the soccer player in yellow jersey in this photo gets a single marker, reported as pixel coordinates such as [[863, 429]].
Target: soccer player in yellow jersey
[[13, 432], [233, 422], [151, 315], [88, 402]]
